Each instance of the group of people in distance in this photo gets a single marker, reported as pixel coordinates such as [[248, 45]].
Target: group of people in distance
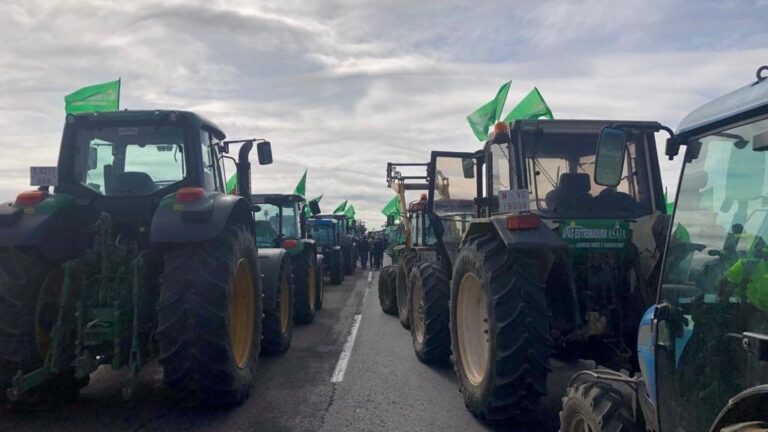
[[373, 247]]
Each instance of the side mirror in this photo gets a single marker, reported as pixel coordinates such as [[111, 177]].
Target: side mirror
[[224, 147], [93, 158], [609, 162], [264, 151], [760, 141], [672, 148], [468, 165], [314, 207]]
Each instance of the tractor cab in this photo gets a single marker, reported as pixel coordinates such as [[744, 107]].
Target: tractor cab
[[278, 217], [323, 231], [705, 350]]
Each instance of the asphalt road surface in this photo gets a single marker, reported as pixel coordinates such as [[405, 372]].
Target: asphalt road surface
[[327, 381]]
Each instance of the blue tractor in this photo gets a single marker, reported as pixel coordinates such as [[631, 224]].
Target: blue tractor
[[703, 348]]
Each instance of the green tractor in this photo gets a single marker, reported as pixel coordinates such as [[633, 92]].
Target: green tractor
[[703, 345], [138, 254], [325, 232], [285, 215], [554, 265]]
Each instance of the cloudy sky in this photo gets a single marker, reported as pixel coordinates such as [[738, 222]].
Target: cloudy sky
[[343, 86]]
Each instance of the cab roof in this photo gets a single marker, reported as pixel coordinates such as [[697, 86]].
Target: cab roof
[[151, 115], [275, 199], [312, 221], [740, 104]]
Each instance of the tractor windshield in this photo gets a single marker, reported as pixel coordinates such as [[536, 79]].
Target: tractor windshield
[[559, 172], [267, 224], [129, 160], [323, 234], [716, 275], [455, 190]]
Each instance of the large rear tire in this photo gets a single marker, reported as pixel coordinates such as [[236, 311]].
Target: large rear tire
[[320, 278], [277, 321], [596, 406], [30, 290], [209, 318], [403, 290], [388, 290], [430, 295], [305, 270], [499, 331]]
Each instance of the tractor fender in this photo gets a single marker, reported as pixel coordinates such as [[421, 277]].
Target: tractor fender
[[270, 261], [57, 227], [747, 406], [200, 220]]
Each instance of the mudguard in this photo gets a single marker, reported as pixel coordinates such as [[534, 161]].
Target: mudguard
[[270, 260], [539, 238], [747, 406], [199, 220], [57, 226]]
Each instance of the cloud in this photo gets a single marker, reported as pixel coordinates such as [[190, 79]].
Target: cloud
[[342, 86]]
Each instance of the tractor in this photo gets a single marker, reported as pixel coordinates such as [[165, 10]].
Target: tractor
[[137, 254], [393, 279], [553, 266], [325, 233], [293, 290], [703, 346], [345, 239]]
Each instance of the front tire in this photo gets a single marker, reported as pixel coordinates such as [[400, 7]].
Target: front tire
[[277, 321], [403, 290], [305, 270], [388, 290], [499, 331], [596, 406], [430, 295], [209, 318], [337, 268]]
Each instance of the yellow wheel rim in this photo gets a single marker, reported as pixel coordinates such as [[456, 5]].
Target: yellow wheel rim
[[472, 326], [241, 314], [312, 281], [285, 304]]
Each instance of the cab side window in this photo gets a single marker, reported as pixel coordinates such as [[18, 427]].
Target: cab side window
[[209, 161]]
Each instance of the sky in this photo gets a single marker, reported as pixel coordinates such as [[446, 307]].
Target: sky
[[341, 86]]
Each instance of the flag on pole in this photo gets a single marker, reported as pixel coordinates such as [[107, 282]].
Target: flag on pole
[[392, 208], [301, 187], [531, 107], [307, 210], [99, 97], [340, 209], [484, 117], [350, 212]]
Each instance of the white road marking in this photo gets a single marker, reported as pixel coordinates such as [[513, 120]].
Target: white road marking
[[370, 275], [341, 366]]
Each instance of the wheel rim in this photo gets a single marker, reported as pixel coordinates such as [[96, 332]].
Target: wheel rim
[[285, 304], [46, 311], [312, 281], [472, 325], [241, 314], [418, 312]]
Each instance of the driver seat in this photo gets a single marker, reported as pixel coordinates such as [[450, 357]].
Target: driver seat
[[133, 183], [572, 194]]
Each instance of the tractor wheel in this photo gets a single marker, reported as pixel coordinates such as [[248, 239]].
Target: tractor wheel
[[337, 269], [388, 290], [596, 406], [403, 290], [277, 321], [430, 295], [499, 331], [320, 278], [209, 325], [305, 270]]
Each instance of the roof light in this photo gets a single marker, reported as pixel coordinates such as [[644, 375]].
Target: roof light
[[523, 222], [189, 194], [423, 196], [501, 127], [30, 198]]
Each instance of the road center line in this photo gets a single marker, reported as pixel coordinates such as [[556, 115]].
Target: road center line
[[370, 275], [346, 352]]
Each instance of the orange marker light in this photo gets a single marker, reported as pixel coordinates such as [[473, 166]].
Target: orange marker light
[[523, 222], [290, 244], [29, 198], [189, 194], [501, 127]]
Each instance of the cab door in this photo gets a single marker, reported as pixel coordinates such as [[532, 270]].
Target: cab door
[[712, 317]]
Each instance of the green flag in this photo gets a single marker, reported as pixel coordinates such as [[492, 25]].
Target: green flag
[[484, 117], [392, 208], [301, 188], [350, 212], [99, 97], [531, 107], [340, 209], [232, 185]]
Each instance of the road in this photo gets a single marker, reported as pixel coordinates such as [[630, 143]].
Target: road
[[383, 388]]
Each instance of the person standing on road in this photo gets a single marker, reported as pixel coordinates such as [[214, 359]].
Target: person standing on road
[[378, 252], [362, 250]]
